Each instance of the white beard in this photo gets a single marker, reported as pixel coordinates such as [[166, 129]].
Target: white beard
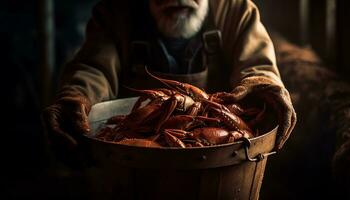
[[180, 26]]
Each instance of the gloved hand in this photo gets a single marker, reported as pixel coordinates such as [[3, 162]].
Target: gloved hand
[[64, 121], [275, 95]]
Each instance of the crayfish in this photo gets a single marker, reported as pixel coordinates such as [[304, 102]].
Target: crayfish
[[182, 116]]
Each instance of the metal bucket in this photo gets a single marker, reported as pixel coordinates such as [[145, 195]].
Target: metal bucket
[[228, 171]]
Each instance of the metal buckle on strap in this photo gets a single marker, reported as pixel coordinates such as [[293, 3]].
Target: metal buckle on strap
[[212, 41], [259, 157]]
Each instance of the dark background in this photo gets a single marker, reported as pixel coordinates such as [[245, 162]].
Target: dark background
[[30, 169]]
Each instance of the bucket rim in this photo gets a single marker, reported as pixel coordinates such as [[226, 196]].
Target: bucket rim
[[93, 139]]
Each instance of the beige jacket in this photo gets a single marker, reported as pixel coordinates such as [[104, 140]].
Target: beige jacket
[[95, 69]]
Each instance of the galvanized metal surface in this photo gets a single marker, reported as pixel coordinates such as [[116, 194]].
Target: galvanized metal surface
[[102, 111], [217, 172]]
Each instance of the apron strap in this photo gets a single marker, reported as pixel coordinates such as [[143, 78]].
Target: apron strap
[[211, 36], [218, 76], [213, 57], [212, 43]]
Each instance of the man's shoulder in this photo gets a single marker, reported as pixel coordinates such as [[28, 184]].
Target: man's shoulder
[[232, 10], [230, 4]]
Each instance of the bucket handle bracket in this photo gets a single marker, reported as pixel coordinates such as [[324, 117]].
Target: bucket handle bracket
[[259, 157]]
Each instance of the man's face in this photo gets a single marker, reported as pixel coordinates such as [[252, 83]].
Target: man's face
[[179, 18]]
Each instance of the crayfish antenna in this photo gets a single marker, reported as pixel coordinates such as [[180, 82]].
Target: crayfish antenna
[[166, 82], [144, 92], [215, 105], [140, 100], [132, 89]]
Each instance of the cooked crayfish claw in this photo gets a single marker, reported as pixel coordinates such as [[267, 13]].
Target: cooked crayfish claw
[[172, 140], [231, 120]]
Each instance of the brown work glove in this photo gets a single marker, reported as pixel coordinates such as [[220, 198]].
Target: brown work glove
[[275, 94], [65, 120]]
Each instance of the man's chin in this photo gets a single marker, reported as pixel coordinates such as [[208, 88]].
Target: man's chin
[[180, 27], [178, 32]]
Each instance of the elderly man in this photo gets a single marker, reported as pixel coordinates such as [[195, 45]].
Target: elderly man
[[219, 45]]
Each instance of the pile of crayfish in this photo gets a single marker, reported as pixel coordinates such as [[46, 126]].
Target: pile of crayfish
[[182, 116]]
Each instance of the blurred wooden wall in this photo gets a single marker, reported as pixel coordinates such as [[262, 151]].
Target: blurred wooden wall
[[343, 42], [320, 24], [281, 16]]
